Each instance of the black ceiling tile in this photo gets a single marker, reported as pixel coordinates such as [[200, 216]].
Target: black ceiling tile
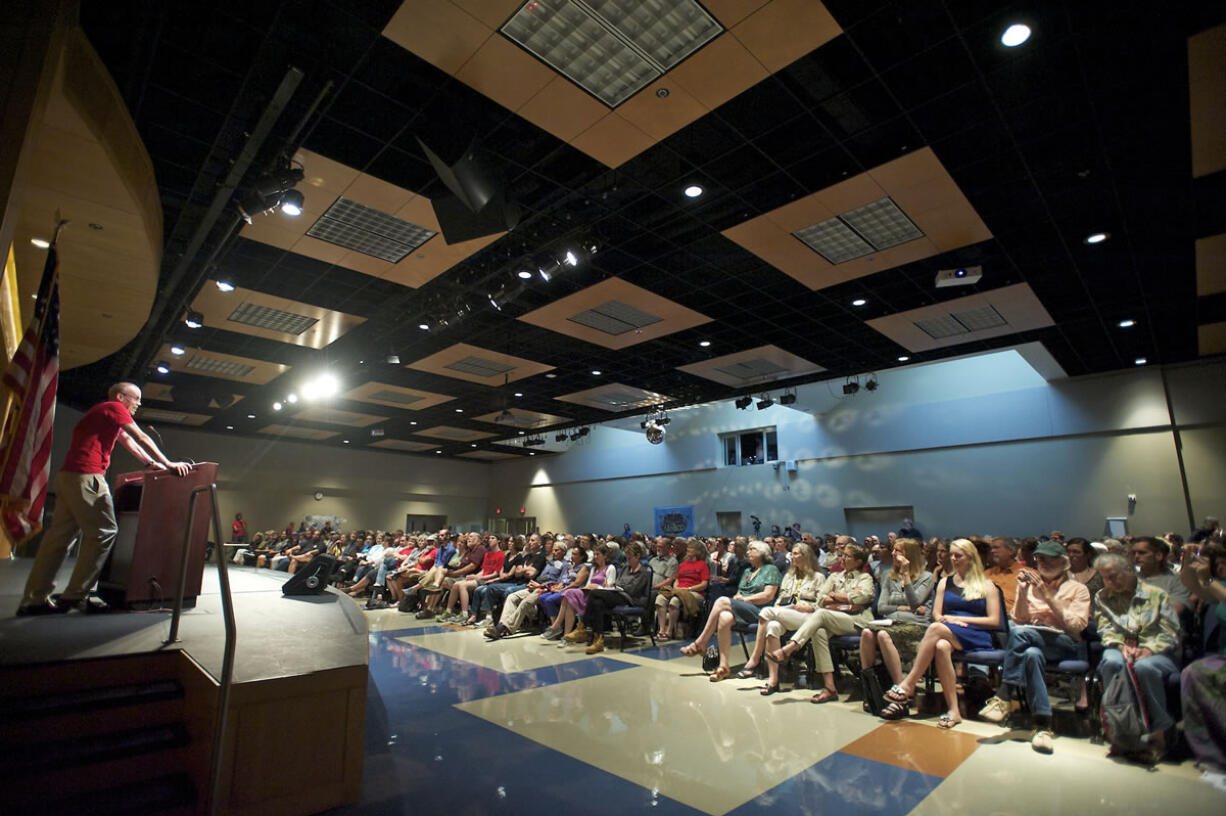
[[770, 192], [884, 143], [374, 114], [930, 74], [402, 169], [739, 167], [900, 29], [568, 167], [952, 112], [708, 136], [820, 171], [750, 112], [343, 144], [374, 13], [794, 140], [400, 75], [857, 109], [720, 211]]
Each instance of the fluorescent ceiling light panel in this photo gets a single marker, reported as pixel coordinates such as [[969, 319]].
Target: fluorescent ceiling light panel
[[614, 318], [209, 365], [941, 327], [882, 224], [263, 317], [834, 241], [398, 397], [611, 48], [478, 366], [984, 317], [366, 230], [752, 369]]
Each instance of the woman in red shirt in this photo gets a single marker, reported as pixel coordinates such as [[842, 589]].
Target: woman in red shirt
[[685, 590], [491, 565]]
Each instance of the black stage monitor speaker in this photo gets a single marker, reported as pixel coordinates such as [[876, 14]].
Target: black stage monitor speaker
[[311, 579], [478, 204]]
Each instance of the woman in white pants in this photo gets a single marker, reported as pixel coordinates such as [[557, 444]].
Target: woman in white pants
[[798, 598]]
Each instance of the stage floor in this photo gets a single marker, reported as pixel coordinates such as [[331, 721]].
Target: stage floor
[[457, 724], [278, 636]]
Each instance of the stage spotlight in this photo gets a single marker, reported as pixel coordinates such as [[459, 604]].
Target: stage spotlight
[[765, 402], [570, 258], [291, 203], [871, 385], [393, 359], [271, 191], [787, 399], [850, 388], [743, 403], [225, 286], [584, 431], [178, 351], [161, 367], [276, 406], [193, 319], [560, 437]]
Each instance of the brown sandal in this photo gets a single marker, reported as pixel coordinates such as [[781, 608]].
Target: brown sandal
[[824, 696], [722, 673]]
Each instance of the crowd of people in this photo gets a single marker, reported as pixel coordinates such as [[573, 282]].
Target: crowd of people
[[1153, 604]]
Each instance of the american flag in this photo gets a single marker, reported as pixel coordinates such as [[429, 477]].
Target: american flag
[[31, 380]]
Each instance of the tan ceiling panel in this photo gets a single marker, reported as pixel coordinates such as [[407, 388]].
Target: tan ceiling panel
[[660, 117], [294, 432], [433, 258], [403, 445], [731, 12], [411, 399], [438, 31], [377, 193], [563, 109], [493, 13], [330, 178], [516, 367], [612, 140], [163, 392], [753, 367], [147, 415], [615, 398], [222, 366], [785, 30], [1017, 305], [1211, 338], [522, 420], [488, 456], [217, 308], [1211, 265], [671, 316], [454, 434], [334, 416], [505, 72], [1207, 100], [718, 71], [937, 207]]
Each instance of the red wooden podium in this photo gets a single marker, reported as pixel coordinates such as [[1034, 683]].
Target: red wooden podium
[[151, 507]]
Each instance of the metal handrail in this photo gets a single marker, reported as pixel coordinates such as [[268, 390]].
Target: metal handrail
[[227, 609]]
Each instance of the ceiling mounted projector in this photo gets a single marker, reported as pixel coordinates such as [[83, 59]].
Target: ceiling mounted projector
[[962, 276]]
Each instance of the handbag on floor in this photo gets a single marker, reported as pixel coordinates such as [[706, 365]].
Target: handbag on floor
[[871, 682], [710, 659]]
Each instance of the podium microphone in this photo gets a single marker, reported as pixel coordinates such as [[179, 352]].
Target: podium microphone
[[162, 442]]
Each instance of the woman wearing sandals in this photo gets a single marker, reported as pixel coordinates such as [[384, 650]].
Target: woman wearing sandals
[[844, 606], [797, 599], [965, 613], [683, 592], [904, 601], [758, 587]]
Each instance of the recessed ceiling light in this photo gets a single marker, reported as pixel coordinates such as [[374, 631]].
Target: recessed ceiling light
[[225, 286], [474, 444], [859, 302], [1097, 237], [1127, 323], [41, 243], [550, 376], [459, 410], [413, 422], [229, 427], [162, 368], [519, 393], [903, 358], [1015, 35], [276, 406], [596, 372], [525, 274], [291, 399], [532, 453], [521, 433], [345, 441], [704, 343], [250, 416], [424, 326], [693, 191], [1140, 361], [177, 351]]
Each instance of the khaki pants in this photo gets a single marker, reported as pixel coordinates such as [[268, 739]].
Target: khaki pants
[[82, 503], [820, 626]]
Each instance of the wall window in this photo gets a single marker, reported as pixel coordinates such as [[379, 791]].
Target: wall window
[[754, 447]]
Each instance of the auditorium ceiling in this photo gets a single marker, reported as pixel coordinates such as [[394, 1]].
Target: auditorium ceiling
[[846, 151]]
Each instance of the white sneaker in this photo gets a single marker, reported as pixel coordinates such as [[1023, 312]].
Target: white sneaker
[[1042, 741], [997, 710]]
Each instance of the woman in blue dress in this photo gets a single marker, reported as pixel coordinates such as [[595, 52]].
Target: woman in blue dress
[[966, 612]]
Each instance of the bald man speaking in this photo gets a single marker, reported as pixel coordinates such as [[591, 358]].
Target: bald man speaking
[[83, 503]]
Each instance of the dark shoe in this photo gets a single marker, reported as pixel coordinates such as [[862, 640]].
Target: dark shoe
[[768, 690], [425, 614], [47, 607]]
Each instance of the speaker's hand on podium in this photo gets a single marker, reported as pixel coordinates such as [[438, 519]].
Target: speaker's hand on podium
[[180, 468]]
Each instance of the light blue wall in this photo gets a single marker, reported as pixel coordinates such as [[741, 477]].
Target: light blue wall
[[976, 445]]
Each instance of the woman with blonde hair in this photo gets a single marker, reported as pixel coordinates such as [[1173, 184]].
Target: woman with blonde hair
[[966, 611], [797, 600], [903, 599]]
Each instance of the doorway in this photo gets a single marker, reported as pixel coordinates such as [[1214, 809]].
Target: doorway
[[866, 521], [424, 524], [729, 523]]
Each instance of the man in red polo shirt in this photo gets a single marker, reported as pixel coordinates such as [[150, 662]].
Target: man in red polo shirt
[[83, 503]]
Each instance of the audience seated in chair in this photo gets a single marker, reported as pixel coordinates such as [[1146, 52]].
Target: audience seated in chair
[[521, 603], [798, 594], [757, 589], [682, 593], [904, 599], [630, 587], [1204, 681], [572, 600]]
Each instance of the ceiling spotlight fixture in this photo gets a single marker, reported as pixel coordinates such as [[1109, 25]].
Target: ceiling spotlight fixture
[[225, 286], [859, 302], [547, 267], [291, 399], [850, 387], [377, 433], [1015, 35], [525, 274], [1097, 237], [229, 427], [161, 367], [871, 385], [765, 402], [1140, 361], [788, 399], [250, 416], [560, 437], [393, 359], [424, 326], [902, 358], [177, 351], [41, 243], [596, 372], [276, 406], [193, 319], [704, 343], [519, 393], [570, 258], [693, 191], [291, 203], [1126, 323], [322, 386], [459, 410], [743, 403], [550, 376], [345, 441]]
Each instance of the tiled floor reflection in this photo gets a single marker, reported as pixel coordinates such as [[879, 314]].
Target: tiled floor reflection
[[458, 725]]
